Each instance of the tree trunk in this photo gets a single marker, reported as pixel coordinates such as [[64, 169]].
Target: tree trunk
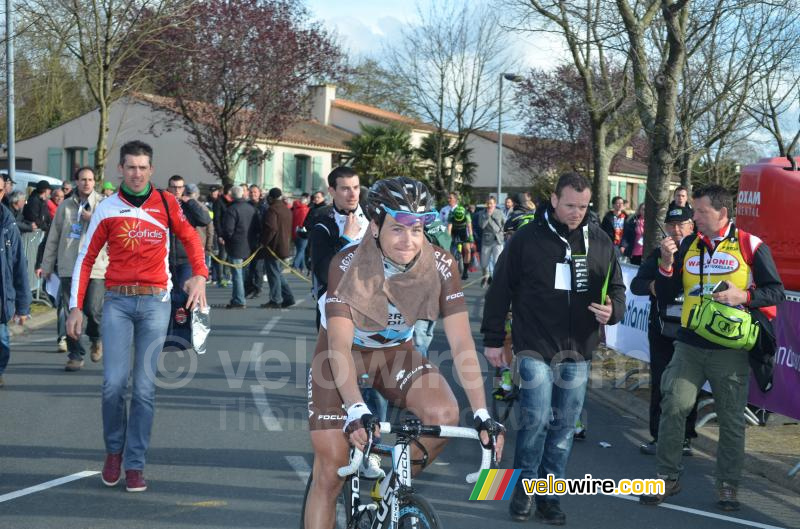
[[101, 153], [601, 163]]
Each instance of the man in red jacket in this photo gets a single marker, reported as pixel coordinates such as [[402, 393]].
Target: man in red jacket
[[134, 224], [300, 210], [276, 236]]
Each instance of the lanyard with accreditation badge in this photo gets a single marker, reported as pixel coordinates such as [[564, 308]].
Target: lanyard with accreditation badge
[[574, 266]]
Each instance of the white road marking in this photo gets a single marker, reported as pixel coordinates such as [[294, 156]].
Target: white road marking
[[698, 512], [300, 466], [47, 485], [267, 416]]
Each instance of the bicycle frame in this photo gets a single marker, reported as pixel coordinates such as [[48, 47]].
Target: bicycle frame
[[395, 486]]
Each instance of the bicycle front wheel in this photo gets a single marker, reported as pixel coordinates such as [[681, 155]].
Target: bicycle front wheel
[[417, 513]]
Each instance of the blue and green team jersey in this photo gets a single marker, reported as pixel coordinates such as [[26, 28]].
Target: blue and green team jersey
[[459, 225]]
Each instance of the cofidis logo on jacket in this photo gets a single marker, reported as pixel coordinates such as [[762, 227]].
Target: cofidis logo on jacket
[[134, 234]]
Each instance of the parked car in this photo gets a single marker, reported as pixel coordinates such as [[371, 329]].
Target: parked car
[[26, 179]]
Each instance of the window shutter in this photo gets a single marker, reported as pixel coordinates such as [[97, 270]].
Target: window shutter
[[316, 175], [289, 172], [54, 156], [642, 191], [92, 152]]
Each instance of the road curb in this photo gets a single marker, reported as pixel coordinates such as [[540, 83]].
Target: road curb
[[757, 463], [39, 321]]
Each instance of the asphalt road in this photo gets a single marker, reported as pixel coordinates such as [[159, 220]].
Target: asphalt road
[[230, 446]]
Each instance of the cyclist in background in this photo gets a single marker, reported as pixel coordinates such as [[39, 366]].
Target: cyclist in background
[[459, 226], [367, 326]]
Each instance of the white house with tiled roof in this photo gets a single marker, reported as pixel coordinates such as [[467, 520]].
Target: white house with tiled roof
[[301, 159]]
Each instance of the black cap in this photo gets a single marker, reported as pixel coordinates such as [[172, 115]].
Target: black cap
[[274, 193], [213, 188], [7, 178], [678, 214], [42, 185]]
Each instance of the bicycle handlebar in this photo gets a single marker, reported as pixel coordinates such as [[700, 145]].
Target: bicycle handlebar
[[453, 432]]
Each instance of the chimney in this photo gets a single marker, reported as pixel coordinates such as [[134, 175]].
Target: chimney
[[629, 152], [321, 98]]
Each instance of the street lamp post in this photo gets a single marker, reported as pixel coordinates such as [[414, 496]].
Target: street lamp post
[[513, 78], [10, 151]]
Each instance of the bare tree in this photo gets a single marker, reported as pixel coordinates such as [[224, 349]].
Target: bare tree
[[102, 36], [742, 52], [452, 62], [590, 32]]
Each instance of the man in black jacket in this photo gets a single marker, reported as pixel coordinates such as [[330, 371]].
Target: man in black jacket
[[731, 267], [662, 330], [219, 203], [240, 233], [560, 275], [334, 227], [36, 208], [198, 216]]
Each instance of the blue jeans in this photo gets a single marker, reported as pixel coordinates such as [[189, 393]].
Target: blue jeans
[[299, 261], [551, 400], [237, 278], [423, 336], [5, 348], [279, 291], [141, 321]]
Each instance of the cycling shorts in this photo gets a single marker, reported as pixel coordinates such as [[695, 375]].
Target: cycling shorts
[[392, 372], [460, 236]]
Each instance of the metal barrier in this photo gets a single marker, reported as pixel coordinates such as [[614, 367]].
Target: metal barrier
[[30, 244]]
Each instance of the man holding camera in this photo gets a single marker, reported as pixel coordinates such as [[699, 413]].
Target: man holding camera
[[726, 276], [67, 233]]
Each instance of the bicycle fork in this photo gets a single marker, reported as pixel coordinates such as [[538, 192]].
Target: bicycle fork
[[393, 487]]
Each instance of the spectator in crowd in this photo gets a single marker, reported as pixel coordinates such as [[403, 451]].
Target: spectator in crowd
[[15, 293], [109, 188], [67, 234], [36, 210], [17, 205], [680, 198], [491, 223], [508, 206], [300, 211], [663, 326], [136, 308], [219, 205], [614, 220], [335, 226], [245, 191], [476, 226], [554, 337], [276, 235], [8, 187], [528, 201], [56, 197], [239, 231], [452, 202], [747, 271], [206, 233], [633, 236], [518, 210], [197, 215], [254, 278], [66, 186]]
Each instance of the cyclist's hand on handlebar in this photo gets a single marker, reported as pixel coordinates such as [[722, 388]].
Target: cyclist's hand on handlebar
[[492, 433], [358, 420]]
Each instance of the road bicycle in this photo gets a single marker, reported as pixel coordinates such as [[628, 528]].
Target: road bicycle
[[392, 502]]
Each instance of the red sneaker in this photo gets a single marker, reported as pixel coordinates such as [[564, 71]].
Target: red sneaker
[[112, 469], [134, 481]]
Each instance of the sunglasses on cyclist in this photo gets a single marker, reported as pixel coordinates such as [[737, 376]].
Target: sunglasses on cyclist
[[406, 218]]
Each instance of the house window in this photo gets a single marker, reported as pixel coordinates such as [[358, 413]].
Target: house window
[[77, 157], [301, 171], [254, 169]]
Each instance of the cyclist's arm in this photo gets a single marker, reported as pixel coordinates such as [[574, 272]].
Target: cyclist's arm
[[450, 228], [465, 358], [469, 226], [343, 368]]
